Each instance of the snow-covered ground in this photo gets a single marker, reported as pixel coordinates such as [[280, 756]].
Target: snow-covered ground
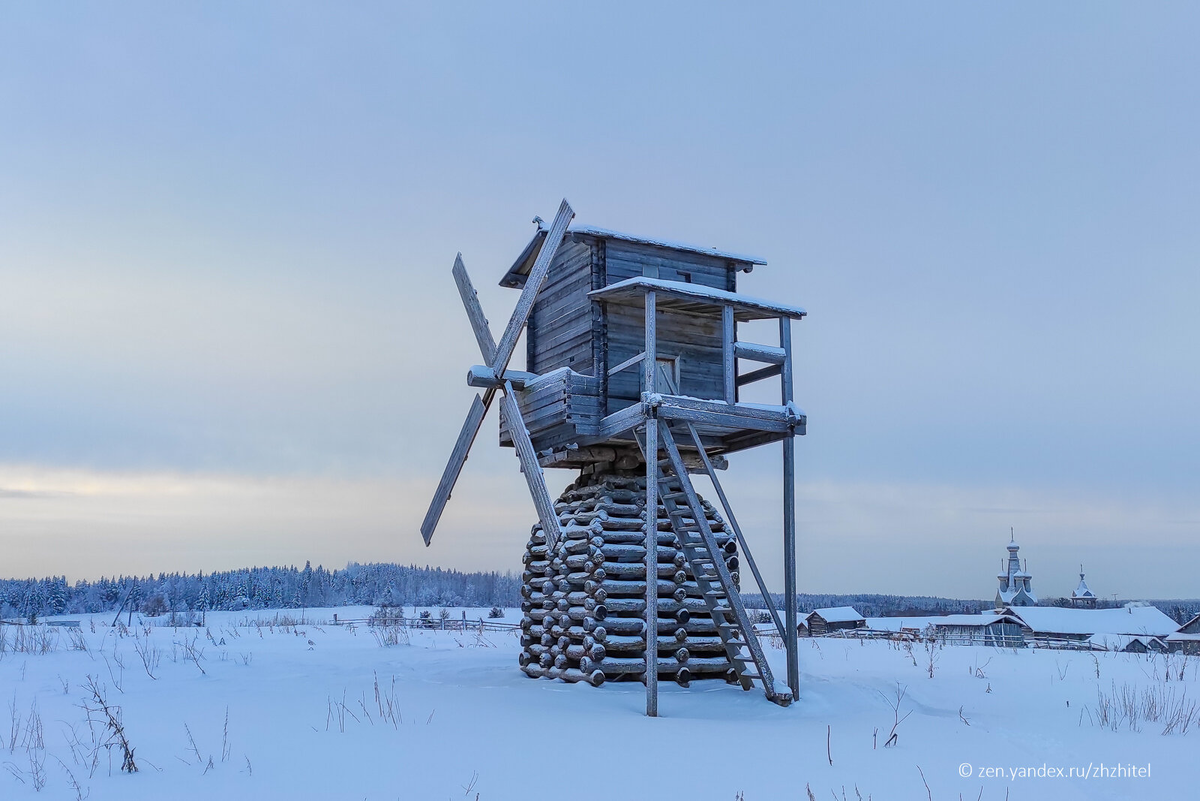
[[468, 724]]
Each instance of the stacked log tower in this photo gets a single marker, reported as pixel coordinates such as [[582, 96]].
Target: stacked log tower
[[584, 602]]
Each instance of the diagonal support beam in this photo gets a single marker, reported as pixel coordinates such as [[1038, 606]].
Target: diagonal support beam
[[711, 472], [733, 597]]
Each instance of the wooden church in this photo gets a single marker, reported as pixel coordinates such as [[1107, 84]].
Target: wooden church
[[634, 375]]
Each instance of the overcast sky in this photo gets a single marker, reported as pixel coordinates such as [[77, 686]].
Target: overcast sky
[[229, 335]]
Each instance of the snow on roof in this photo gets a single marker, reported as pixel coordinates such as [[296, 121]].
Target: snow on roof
[[1192, 626], [605, 233], [1007, 596], [1125, 620], [745, 306], [521, 267], [920, 623], [837, 614]]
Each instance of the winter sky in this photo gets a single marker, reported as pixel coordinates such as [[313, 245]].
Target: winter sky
[[229, 335]]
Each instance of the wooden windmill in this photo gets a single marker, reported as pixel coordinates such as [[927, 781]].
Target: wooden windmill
[[633, 378]]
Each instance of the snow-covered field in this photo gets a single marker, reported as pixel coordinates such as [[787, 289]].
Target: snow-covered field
[[468, 724]]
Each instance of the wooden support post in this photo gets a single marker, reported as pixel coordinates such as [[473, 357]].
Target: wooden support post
[[728, 360], [789, 519], [649, 365]]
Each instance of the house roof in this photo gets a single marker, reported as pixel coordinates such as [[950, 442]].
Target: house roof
[[920, 623], [1191, 627], [1124, 620], [837, 614], [520, 268]]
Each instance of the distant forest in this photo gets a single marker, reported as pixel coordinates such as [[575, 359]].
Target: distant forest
[[873, 605], [262, 588], [396, 585]]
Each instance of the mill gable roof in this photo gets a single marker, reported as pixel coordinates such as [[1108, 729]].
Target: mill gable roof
[[520, 268]]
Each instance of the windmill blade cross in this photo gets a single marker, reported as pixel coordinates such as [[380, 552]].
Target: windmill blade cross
[[497, 358], [530, 467], [470, 299], [458, 457], [533, 284]]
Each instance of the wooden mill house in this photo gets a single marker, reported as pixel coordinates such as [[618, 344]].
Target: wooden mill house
[[634, 375]]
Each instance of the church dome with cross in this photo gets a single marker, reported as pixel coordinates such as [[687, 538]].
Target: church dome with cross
[[1015, 582]]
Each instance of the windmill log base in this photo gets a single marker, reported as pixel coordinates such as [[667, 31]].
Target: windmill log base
[[583, 601]]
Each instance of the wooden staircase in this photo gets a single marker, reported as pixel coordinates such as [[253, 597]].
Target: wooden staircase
[[699, 546]]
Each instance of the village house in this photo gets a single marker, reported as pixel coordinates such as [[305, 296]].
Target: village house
[[989, 628], [1048, 625], [838, 618], [1187, 638], [1130, 644]]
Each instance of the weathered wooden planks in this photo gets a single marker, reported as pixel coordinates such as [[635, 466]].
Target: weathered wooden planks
[[470, 299], [629, 259], [458, 457]]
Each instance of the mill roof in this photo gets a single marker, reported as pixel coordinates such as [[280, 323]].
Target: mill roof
[[521, 267]]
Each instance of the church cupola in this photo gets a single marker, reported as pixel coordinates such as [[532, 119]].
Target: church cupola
[[1015, 582], [1083, 595]]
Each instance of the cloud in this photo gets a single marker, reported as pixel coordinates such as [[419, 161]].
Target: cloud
[[906, 538]]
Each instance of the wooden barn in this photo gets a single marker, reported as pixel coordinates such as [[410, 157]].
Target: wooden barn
[[989, 628], [1127, 643], [1187, 638], [826, 621]]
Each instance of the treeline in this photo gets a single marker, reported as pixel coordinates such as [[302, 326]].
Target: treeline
[[396, 585], [873, 605], [261, 588]]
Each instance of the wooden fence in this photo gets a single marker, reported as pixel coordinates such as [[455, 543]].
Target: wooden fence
[[430, 623], [958, 637]]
